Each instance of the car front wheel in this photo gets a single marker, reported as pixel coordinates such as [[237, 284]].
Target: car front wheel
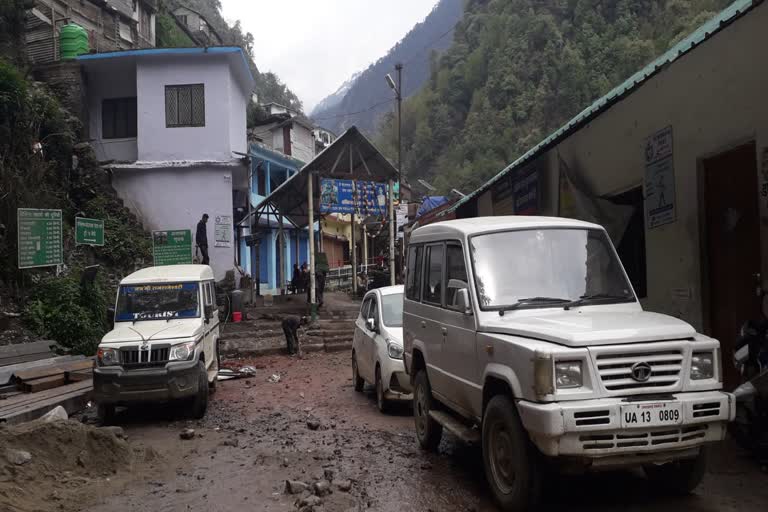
[[200, 402], [510, 460], [381, 401], [357, 381]]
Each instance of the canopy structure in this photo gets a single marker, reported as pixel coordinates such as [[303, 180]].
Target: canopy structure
[[351, 157]]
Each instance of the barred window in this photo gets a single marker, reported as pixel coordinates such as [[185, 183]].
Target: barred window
[[184, 105]]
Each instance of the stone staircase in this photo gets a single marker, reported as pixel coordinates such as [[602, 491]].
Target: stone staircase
[[262, 333]]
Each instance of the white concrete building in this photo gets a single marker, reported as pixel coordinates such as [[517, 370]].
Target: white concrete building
[[172, 124], [287, 131]]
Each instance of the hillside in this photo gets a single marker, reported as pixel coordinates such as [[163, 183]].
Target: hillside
[[268, 85], [518, 69], [415, 50]]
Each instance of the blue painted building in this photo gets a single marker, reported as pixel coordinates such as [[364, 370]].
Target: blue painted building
[[269, 170]]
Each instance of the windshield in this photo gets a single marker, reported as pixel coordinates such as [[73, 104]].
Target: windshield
[[392, 310], [157, 302], [539, 266]]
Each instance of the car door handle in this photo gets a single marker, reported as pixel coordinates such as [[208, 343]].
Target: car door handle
[[423, 324]]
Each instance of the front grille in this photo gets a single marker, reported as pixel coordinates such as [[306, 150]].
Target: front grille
[[588, 418], [615, 370], [706, 409], [647, 438], [135, 358]]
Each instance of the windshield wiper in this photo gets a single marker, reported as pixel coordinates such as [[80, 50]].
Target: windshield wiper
[[532, 301], [597, 297]]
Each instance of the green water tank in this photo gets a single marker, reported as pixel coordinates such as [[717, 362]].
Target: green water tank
[[73, 41]]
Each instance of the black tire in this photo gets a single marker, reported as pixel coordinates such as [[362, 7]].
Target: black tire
[[357, 381], [512, 466], [678, 478], [216, 363], [106, 414], [428, 431], [381, 402], [200, 402]]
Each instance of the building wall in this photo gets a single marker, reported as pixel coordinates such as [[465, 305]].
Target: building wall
[[177, 199], [111, 81], [302, 143], [714, 100], [238, 125], [158, 143]]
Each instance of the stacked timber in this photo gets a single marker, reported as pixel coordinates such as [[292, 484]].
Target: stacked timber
[[34, 380]]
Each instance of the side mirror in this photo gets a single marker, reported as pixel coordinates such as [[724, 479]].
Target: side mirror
[[462, 301], [208, 312], [371, 324]]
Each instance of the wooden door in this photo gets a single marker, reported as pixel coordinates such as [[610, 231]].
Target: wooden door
[[733, 247]]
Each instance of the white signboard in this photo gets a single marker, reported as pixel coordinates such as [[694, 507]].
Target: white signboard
[[222, 231], [659, 179], [401, 219]]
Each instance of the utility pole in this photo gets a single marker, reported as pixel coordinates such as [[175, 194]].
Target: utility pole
[[398, 88]]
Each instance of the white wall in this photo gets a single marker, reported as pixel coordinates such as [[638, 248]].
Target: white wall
[[158, 143], [110, 80], [177, 198], [238, 104]]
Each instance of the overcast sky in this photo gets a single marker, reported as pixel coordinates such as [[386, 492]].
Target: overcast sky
[[314, 46]]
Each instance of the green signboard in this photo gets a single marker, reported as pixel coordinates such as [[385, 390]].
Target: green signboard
[[172, 247], [39, 238], [89, 231]]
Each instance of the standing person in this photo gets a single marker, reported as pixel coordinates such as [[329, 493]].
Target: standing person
[[295, 278], [291, 326], [320, 284], [201, 238]]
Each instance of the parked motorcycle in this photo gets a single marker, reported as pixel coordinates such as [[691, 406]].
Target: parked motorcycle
[[750, 428]]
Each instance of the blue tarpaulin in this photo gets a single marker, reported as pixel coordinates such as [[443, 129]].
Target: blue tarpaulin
[[430, 203]]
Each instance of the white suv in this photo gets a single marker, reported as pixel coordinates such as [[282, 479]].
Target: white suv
[[528, 328]]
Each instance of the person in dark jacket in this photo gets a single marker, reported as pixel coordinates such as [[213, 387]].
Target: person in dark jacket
[[201, 239], [291, 326], [296, 278]]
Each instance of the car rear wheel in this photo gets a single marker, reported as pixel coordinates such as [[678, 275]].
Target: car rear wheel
[[428, 431], [678, 478], [381, 401], [200, 402], [357, 381], [510, 460]]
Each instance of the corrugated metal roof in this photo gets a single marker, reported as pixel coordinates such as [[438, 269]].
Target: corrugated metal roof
[[634, 82]]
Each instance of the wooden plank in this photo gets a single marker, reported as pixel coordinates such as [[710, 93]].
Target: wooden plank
[[28, 399], [54, 381], [46, 371], [6, 372], [74, 399], [25, 358], [22, 349], [79, 376]]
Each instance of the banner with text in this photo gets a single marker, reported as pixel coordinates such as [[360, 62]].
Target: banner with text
[[368, 197]]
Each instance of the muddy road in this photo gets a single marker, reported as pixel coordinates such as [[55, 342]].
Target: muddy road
[[313, 426]]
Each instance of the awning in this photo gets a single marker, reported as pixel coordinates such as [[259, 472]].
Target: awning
[[351, 156]]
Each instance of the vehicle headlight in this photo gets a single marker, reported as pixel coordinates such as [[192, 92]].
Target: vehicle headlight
[[543, 382], [394, 350], [182, 351], [108, 357], [568, 374], [702, 365]]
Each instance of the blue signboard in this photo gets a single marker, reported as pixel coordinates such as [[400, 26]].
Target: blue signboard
[[336, 196]]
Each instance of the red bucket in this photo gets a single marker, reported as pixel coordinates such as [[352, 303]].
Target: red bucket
[[237, 317]]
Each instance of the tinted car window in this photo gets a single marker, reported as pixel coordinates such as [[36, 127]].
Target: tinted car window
[[432, 292], [414, 272], [455, 273]]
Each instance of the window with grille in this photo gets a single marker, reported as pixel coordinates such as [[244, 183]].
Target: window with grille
[[184, 105], [118, 118]]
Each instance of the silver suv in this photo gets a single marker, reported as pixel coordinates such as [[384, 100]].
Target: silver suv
[[524, 334]]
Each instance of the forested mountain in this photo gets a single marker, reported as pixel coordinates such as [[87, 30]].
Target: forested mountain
[[518, 69], [414, 50], [268, 86]]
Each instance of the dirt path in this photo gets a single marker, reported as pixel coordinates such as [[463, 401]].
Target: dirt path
[[312, 425]]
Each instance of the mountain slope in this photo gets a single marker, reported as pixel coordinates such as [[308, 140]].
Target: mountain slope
[[433, 34], [518, 69], [336, 97]]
